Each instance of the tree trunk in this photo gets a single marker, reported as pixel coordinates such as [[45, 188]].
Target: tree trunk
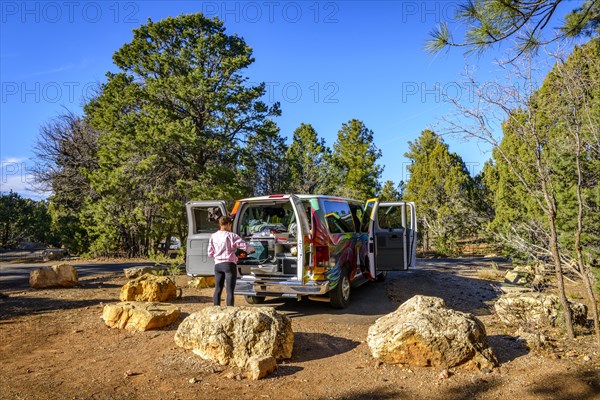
[[585, 273], [551, 214]]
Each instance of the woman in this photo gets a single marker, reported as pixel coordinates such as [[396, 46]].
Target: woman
[[222, 246]]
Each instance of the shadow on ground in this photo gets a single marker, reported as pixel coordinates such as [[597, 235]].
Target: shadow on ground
[[13, 306], [462, 293], [506, 347], [370, 299], [314, 346], [571, 385], [16, 276]]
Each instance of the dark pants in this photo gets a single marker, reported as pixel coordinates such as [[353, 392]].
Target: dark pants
[[225, 273]]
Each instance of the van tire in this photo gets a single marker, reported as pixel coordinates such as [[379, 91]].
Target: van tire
[[340, 295], [382, 276], [254, 299]]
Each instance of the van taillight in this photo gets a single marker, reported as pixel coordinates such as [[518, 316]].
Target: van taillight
[[321, 256]]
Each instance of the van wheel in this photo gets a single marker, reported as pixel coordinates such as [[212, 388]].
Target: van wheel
[[340, 295], [254, 299], [382, 276]]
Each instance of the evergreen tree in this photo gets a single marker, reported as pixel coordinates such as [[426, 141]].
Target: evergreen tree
[[265, 170], [546, 172], [23, 220], [307, 159], [390, 192], [173, 123], [441, 187], [354, 162]]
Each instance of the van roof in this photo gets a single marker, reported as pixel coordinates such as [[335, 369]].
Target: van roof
[[301, 196]]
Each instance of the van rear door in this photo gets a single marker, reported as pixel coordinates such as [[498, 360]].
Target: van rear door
[[202, 223], [392, 231]]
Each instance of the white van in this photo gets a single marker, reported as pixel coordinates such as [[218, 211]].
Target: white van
[[307, 245]]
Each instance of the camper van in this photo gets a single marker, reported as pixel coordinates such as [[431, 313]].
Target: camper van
[[312, 246]]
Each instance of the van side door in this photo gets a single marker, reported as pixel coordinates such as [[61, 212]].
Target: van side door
[[392, 230], [202, 223]]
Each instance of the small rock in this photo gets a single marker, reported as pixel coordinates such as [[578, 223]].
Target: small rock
[[378, 363], [136, 272], [129, 373], [259, 367], [232, 374], [444, 374], [193, 380], [216, 368], [201, 282], [586, 358], [486, 371]]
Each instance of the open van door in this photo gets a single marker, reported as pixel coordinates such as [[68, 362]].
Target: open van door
[[392, 232], [202, 222]]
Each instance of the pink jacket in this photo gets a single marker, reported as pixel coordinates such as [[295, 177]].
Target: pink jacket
[[223, 244]]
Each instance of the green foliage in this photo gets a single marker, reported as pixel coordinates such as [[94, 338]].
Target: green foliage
[[173, 120], [23, 220], [308, 161], [442, 190], [390, 192], [544, 145], [264, 168], [488, 22], [354, 162], [584, 20]]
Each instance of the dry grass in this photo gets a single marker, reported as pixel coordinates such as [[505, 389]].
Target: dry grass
[[491, 275]]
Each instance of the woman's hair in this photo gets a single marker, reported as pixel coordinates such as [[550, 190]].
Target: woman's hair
[[223, 220]]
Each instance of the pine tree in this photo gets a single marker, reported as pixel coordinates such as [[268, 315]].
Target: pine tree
[[354, 162], [174, 120], [307, 158], [440, 186], [391, 192], [265, 170]]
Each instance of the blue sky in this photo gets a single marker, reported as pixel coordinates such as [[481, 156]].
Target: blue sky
[[325, 62]]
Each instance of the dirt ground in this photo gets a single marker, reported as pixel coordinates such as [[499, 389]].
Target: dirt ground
[[54, 345]]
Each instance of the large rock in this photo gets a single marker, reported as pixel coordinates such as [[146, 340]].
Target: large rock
[[202, 282], [136, 272], [423, 332], [533, 308], [233, 335], [139, 316], [149, 287], [61, 275]]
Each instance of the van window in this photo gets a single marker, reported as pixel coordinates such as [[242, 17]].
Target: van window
[[389, 218], [338, 216], [206, 219], [266, 218], [366, 217], [357, 214]]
